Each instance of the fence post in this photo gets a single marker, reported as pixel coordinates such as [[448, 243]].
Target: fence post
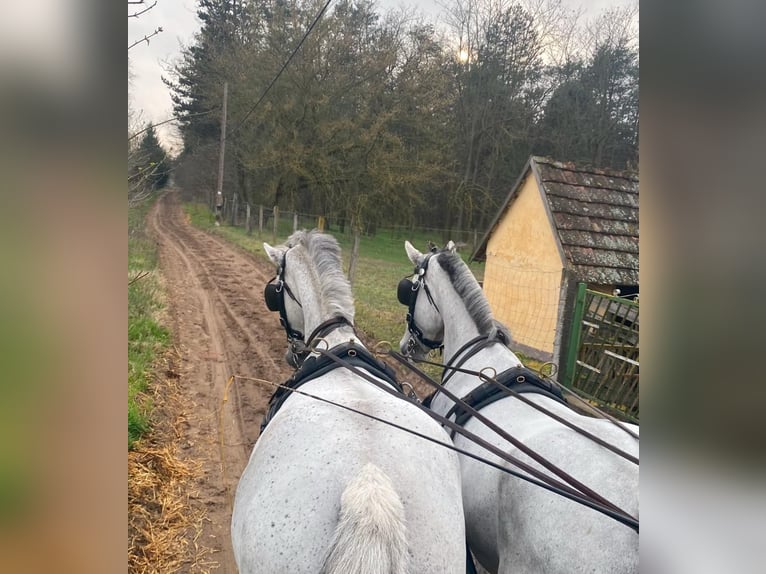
[[233, 214], [574, 337], [276, 221], [248, 222], [295, 221], [354, 254], [260, 220], [320, 223]]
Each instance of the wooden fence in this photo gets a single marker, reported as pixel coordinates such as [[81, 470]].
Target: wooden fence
[[602, 365]]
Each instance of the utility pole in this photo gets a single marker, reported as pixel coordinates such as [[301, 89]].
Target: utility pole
[[219, 187]]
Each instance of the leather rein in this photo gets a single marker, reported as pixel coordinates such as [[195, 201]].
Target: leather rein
[[574, 490], [483, 341]]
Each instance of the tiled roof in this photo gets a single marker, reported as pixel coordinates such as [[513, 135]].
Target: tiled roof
[[595, 212]]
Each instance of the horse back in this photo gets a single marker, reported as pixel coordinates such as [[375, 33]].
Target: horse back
[[288, 503]]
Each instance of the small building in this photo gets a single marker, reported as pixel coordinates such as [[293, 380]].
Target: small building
[[560, 225]]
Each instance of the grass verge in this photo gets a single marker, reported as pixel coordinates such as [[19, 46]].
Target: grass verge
[[146, 337]]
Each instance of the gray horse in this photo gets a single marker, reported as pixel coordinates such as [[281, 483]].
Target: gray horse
[[328, 490], [512, 525]]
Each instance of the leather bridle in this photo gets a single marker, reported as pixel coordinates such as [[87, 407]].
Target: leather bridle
[[274, 295], [407, 292]]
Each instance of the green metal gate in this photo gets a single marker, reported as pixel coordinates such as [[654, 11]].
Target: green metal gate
[[602, 363]]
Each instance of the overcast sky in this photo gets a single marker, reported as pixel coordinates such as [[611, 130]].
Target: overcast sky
[[178, 19]]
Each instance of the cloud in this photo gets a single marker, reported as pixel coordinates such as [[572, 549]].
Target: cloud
[[148, 63]]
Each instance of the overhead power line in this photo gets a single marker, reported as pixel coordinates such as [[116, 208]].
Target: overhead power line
[[282, 69]]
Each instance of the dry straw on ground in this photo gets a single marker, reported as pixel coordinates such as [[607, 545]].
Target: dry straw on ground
[[164, 519]]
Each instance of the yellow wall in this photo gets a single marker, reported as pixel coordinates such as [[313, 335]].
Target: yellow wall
[[522, 278]]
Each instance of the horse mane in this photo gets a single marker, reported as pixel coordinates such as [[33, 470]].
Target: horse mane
[[470, 292], [323, 251]]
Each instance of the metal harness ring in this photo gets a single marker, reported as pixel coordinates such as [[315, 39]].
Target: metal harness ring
[[314, 346], [554, 369], [494, 373], [382, 348]]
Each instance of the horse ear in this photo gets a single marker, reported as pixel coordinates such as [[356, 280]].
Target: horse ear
[[414, 255], [275, 254], [450, 246]]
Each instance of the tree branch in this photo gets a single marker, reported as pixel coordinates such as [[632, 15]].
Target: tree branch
[[135, 135], [146, 38], [137, 14]]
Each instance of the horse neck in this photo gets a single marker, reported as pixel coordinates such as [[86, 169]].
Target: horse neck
[[314, 313], [460, 328]]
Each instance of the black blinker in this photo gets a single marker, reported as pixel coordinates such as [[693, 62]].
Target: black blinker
[[405, 292], [271, 295]]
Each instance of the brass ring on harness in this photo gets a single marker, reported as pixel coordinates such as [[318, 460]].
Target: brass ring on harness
[[486, 377], [382, 348], [554, 369], [314, 346]]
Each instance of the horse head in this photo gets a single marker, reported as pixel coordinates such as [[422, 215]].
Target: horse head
[[309, 290], [425, 325]]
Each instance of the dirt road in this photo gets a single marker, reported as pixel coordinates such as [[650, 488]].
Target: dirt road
[[220, 327]]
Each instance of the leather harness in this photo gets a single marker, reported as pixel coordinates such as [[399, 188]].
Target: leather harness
[[519, 379], [317, 366]]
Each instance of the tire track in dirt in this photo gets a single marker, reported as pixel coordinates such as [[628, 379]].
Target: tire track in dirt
[[221, 327]]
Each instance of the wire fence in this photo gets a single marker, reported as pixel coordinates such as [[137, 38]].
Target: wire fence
[[280, 223], [527, 300]]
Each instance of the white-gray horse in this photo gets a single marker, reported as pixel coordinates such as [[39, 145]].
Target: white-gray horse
[[512, 525], [328, 490]]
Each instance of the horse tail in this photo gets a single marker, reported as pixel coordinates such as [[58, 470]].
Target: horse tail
[[371, 534]]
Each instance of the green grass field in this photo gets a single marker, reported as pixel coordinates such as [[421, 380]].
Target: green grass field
[[146, 337]]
